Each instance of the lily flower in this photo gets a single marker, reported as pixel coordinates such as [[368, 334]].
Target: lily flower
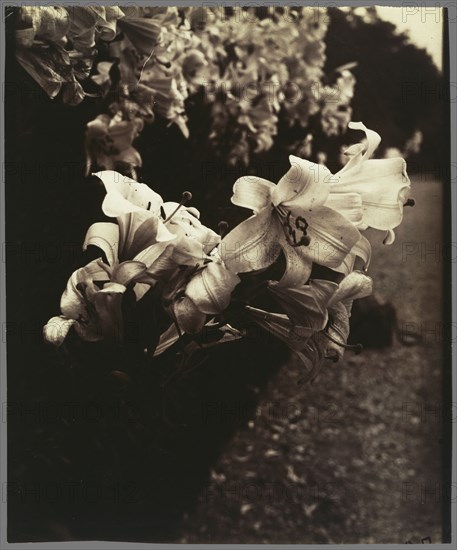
[[313, 215], [295, 216], [77, 307], [109, 142], [94, 293], [320, 306], [92, 303], [125, 195], [305, 310], [45, 32]]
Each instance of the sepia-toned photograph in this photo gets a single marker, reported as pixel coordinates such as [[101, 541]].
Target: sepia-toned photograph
[[227, 258]]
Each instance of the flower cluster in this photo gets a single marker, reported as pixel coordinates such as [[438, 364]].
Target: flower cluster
[[57, 45], [300, 247], [251, 71]]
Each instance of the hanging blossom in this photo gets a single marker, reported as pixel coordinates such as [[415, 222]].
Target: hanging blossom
[[315, 324], [92, 301], [56, 45], [109, 143], [318, 305]]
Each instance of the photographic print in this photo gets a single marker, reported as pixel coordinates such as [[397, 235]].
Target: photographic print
[[228, 273]]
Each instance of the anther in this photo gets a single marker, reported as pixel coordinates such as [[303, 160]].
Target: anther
[[223, 227], [186, 197], [165, 64], [356, 348], [410, 202]]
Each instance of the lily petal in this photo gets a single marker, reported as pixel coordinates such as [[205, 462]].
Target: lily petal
[[125, 195], [185, 223], [184, 211], [389, 238], [189, 252], [362, 249], [252, 192], [106, 237], [188, 316], [332, 236], [131, 239], [167, 339], [139, 230], [299, 263], [56, 329], [305, 186], [126, 272], [156, 257], [355, 285], [211, 288], [72, 303], [338, 329], [140, 288], [253, 244], [383, 185], [347, 204], [359, 152]]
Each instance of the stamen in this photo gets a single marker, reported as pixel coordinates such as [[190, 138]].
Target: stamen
[[223, 227], [186, 197], [356, 348], [410, 202], [105, 267], [149, 206]]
